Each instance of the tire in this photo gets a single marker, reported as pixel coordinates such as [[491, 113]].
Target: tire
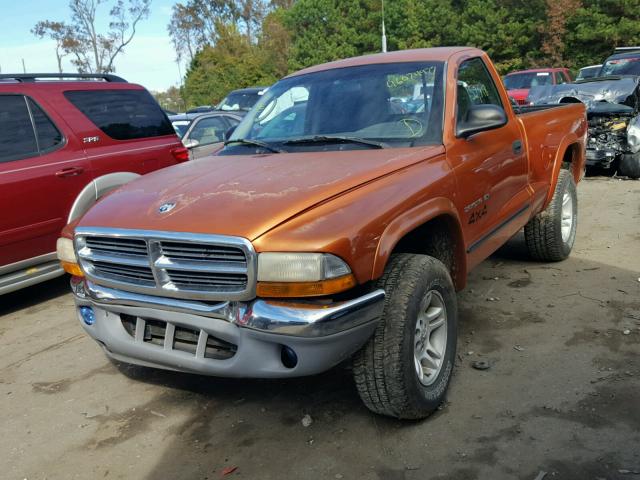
[[385, 369], [544, 234], [630, 165]]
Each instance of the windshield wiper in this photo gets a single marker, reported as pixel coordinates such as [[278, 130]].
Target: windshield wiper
[[334, 139], [257, 143]]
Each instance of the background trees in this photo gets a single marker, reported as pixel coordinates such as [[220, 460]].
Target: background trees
[[285, 35], [94, 51], [230, 44]]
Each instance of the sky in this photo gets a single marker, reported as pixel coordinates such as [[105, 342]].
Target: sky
[[148, 60]]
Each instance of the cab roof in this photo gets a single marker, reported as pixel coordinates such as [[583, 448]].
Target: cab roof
[[437, 54]]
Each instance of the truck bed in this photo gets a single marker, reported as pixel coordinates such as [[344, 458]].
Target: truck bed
[[525, 109]]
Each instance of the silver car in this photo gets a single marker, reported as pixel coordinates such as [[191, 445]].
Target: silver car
[[204, 133]]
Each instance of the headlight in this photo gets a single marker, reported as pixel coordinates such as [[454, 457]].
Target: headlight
[[67, 256], [633, 135], [302, 274]]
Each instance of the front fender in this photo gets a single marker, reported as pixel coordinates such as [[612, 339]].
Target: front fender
[[96, 189], [415, 217]]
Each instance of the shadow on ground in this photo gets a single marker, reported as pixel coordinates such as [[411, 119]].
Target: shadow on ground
[[33, 295]]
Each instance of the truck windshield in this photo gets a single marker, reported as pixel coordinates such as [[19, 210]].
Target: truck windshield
[[371, 106], [526, 80], [621, 66]]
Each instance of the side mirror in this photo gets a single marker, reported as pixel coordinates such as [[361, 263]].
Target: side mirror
[[191, 143], [228, 133], [480, 118]]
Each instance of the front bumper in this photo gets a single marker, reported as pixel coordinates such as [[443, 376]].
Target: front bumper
[[600, 158], [320, 335]]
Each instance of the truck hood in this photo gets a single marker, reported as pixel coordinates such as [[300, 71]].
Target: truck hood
[[620, 90], [244, 195]]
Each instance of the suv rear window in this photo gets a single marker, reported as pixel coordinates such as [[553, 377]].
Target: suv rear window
[[122, 114]]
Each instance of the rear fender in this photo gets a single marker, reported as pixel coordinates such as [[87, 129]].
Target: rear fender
[[96, 189], [576, 166]]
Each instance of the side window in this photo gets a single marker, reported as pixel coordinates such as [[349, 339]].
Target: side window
[[233, 121], [208, 131], [122, 114], [475, 87], [48, 135], [17, 139], [560, 78]]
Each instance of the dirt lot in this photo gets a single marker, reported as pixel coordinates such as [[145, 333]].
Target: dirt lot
[[562, 394]]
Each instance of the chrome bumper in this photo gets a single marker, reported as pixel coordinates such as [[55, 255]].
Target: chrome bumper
[[320, 335]]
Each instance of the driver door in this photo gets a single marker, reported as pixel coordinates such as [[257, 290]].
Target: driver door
[[490, 166]]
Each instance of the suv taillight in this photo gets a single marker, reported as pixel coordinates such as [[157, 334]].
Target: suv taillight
[[181, 154]]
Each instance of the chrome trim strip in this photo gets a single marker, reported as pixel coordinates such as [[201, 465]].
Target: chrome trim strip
[[17, 281], [202, 266], [159, 263], [11, 267]]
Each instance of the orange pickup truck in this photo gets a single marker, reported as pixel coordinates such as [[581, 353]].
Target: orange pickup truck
[[337, 223]]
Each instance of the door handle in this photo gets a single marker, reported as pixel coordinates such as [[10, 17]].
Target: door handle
[[517, 147], [69, 172]]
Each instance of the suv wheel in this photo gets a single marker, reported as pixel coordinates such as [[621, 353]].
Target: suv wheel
[[630, 165], [550, 235], [405, 368]]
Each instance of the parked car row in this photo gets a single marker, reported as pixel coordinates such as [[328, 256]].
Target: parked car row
[[612, 98]]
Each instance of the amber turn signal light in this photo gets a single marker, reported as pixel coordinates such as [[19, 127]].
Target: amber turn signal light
[[72, 268], [305, 289]]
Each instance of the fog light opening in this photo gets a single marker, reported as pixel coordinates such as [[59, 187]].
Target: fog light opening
[[88, 315], [288, 357]]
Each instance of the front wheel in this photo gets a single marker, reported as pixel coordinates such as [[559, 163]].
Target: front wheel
[[630, 165], [405, 368], [550, 235]]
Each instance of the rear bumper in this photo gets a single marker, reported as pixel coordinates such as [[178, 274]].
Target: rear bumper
[[320, 336]]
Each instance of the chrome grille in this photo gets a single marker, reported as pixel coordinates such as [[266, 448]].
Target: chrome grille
[[124, 272], [170, 264]]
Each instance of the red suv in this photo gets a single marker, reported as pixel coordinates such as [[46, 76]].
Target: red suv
[[63, 145], [519, 83]]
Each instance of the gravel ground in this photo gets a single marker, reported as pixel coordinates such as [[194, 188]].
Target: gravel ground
[[562, 394]]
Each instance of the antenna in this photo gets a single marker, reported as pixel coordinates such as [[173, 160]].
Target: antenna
[[384, 33]]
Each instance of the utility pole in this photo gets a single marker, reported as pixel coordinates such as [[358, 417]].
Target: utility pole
[[384, 34], [24, 69]]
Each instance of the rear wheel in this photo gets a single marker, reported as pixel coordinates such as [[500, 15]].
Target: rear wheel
[[630, 165], [405, 368], [550, 235]]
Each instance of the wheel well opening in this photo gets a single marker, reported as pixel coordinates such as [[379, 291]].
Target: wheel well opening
[[569, 160], [438, 238]]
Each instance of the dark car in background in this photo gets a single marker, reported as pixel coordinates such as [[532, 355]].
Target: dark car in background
[[624, 61], [201, 109], [242, 100], [591, 71], [66, 140], [519, 83]]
